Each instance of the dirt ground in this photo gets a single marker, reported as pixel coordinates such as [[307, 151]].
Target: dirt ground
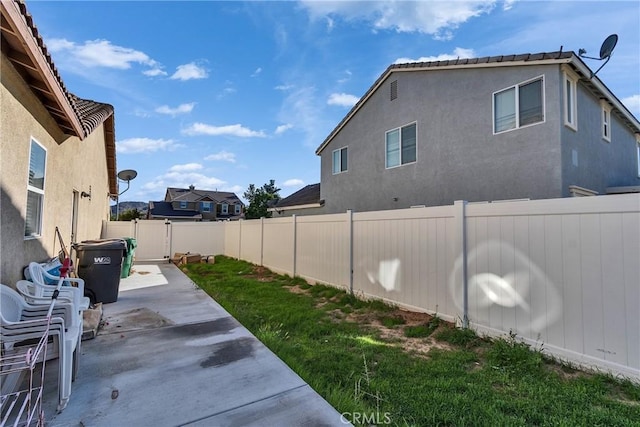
[[392, 335]]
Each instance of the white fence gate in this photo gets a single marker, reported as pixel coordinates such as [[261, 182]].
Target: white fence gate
[[159, 240]]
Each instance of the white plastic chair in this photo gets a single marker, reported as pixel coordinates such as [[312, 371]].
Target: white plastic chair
[[38, 274], [37, 293], [20, 321]]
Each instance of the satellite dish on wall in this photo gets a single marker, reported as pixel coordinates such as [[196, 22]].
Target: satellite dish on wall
[[127, 174], [605, 51]]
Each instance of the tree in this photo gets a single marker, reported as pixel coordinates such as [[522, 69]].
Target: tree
[[259, 200], [128, 215]]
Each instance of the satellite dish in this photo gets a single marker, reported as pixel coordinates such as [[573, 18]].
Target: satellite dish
[[605, 51], [127, 174], [608, 45]]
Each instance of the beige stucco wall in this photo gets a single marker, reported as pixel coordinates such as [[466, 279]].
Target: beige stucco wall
[[71, 165]]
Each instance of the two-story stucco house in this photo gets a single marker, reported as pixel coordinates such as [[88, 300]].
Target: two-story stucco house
[[197, 205], [57, 161], [529, 126]]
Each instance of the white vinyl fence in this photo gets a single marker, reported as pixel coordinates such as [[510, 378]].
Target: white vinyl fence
[[561, 273]]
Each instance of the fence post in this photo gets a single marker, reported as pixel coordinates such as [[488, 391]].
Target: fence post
[[261, 239], [461, 230], [350, 219], [240, 239], [294, 220]]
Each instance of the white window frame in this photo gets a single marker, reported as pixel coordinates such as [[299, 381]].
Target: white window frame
[[339, 163], [606, 121], [40, 192], [183, 205], [570, 99], [386, 149], [638, 152], [516, 89], [206, 206], [238, 209], [224, 209]]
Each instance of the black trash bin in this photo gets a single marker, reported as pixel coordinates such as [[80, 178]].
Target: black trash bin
[[100, 266]]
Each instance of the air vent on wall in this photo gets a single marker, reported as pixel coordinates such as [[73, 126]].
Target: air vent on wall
[[394, 90]]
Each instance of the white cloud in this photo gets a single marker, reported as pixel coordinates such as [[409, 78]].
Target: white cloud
[[154, 72], [347, 77], [188, 167], [181, 179], [189, 72], [303, 107], [180, 109], [232, 130], [342, 99], [224, 156], [145, 145], [284, 87], [100, 53], [294, 182], [458, 52], [283, 128], [234, 189], [437, 18], [257, 72], [633, 104]]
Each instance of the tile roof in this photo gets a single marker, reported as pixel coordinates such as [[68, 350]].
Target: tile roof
[[305, 196], [165, 210], [92, 113], [197, 195], [557, 57]]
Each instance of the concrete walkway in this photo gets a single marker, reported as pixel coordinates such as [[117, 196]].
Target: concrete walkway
[[169, 355]]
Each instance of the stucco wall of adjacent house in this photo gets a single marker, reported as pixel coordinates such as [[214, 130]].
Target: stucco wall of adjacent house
[[299, 212], [458, 156], [591, 162], [71, 165]]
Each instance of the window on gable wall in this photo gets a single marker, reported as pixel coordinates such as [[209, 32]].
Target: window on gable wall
[[518, 106], [183, 205], [339, 162], [400, 146], [570, 103], [238, 209], [224, 209], [606, 121], [35, 190], [206, 206]]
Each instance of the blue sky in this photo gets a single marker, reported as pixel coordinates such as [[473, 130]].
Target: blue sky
[[226, 94]]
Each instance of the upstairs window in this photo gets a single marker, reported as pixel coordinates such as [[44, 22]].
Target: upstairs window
[[339, 160], [238, 209], [183, 205], [400, 146], [206, 206], [518, 106], [606, 121], [570, 100], [35, 190], [224, 209]]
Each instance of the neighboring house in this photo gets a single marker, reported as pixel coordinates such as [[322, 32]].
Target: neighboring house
[[530, 126], [58, 164], [305, 201], [197, 205]]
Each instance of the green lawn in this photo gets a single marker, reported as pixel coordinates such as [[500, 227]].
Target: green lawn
[[409, 369]]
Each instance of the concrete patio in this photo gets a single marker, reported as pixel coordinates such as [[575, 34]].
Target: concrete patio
[[169, 355]]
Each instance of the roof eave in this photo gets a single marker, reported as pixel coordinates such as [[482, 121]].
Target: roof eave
[[11, 11]]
